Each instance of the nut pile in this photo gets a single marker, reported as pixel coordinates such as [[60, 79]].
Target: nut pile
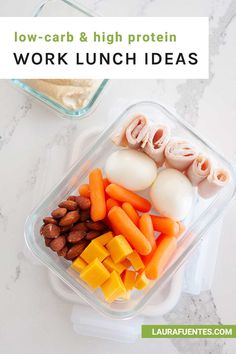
[[69, 229]]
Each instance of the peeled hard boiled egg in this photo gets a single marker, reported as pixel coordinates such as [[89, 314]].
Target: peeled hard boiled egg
[[131, 169], [172, 194]]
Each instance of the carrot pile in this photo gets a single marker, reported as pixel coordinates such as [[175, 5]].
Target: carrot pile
[[127, 228], [152, 238]]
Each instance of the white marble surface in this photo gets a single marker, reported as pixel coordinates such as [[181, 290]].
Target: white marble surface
[[33, 319]]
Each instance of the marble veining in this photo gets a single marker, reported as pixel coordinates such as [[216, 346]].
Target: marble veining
[[13, 122], [201, 310], [191, 91]]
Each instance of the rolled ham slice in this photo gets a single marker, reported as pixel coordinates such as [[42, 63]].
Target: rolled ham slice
[[180, 154], [155, 143], [199, 169], [133, 133], [216, 180]]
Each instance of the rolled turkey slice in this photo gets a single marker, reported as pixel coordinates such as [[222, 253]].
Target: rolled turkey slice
[[133, 133], [216, 180], [199, 169], [155, 143], [179, 154]]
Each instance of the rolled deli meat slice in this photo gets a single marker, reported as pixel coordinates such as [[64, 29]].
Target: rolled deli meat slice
[[216, 180], [155, 143], [133, 133], [199, 169], [180, 154]]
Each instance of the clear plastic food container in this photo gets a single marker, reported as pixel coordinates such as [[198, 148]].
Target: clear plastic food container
[[64, 8], [204, 212]]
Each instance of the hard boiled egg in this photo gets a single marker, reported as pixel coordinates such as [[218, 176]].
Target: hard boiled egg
[[172, 194], [131, 169]]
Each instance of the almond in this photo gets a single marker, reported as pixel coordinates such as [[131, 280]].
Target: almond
[[47, 241], [98, 225], [84, 215], [63, 251], [83, 202], [72, 197], [80, 227], [68, 204], [51, 231], [49, 220], [76, 236], [70, 218], [76, 250], [58, 243], [59, 213], [92, 234], [65, 228]]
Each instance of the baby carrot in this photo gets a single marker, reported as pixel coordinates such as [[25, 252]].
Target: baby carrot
[[97, 195], [123, 195], [164, 251], [127, 228], [105, 182], [146, 227], [131, 212], [114, 228], [165, 225], [84, 190], [111, 202], [146, 259]]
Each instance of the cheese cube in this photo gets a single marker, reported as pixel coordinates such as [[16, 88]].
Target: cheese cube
[[105, 238], [113, 287], [119, 248], [136, 261], [78, 264], [95, 274], [141, 281], [129, 279], [94, 250], [110, 265]]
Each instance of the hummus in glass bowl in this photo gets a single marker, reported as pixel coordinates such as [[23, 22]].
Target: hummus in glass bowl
[[70, 93]]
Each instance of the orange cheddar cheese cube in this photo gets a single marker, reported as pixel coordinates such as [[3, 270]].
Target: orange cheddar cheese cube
[[110, 265], [79, 264], [136, 261], [95, 274], [94, 250], [105, 238], [119, 248], [113, 287], [141, 281], [129, 278]]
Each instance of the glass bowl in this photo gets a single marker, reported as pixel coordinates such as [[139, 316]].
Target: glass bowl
[[203, 215], [64, 8]]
